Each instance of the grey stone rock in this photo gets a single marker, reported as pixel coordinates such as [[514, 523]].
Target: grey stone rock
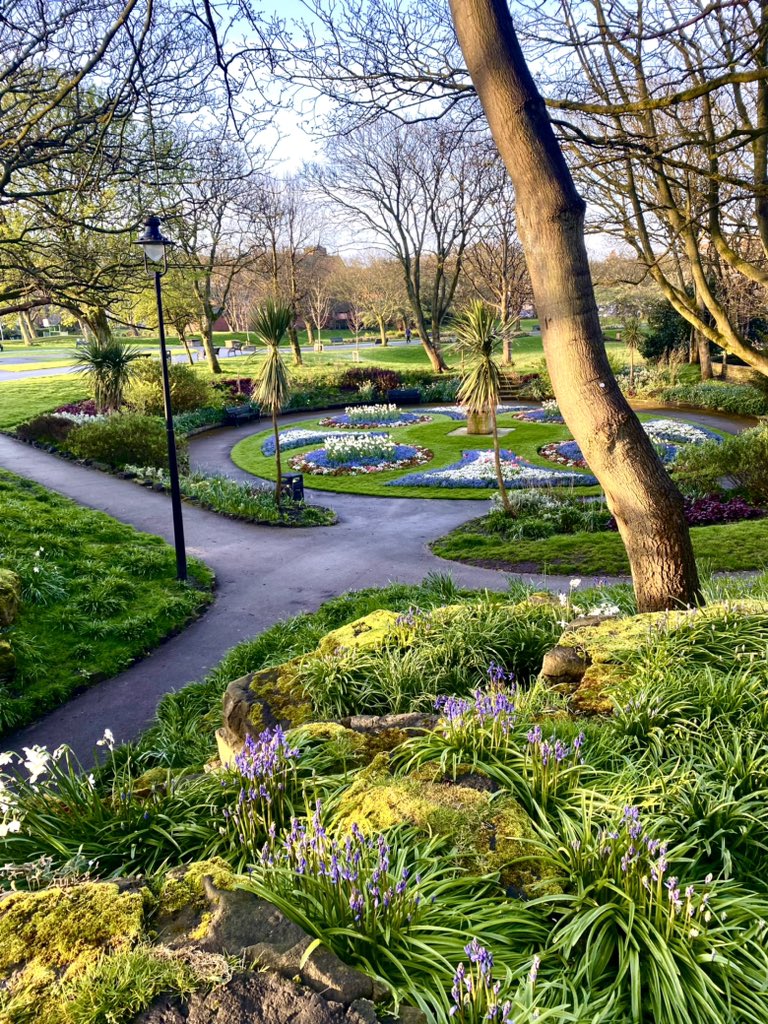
[[242, 924], [411, 722], [365, 1010], [564, 665]]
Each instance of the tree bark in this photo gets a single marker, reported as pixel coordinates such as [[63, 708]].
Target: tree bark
[[210, 352], [647, 506], [705, 356], [27, 329], [295, 346]]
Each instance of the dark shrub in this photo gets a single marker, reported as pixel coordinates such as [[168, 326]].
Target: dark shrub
[[739, 399], [383, 380], [123, 439], [48, 429], [713, 511], [236, 389], [144, 391]]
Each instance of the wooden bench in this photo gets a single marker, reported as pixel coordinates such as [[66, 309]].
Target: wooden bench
[[236, 414]]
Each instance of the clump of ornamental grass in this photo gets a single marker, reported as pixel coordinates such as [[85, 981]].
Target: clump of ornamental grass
[[632, 919], [395, 904]]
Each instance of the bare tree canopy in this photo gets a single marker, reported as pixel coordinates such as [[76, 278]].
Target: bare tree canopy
[[418, 190]]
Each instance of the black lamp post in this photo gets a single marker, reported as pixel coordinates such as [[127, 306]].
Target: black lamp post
[[154, 244]]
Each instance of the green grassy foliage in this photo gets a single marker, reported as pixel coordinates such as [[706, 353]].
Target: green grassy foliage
[[680, 761], [96, 595], [732, 547], [524, 440], [23, 399]]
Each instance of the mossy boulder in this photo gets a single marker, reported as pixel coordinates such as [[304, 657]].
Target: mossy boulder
[[368, 631], [10, 597], [55, 934], [595, 656], [7, 661], [491, 833]]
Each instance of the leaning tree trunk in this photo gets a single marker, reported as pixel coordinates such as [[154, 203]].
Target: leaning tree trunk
[[705, 356], [293, 337], [647, 506], [210, 352]]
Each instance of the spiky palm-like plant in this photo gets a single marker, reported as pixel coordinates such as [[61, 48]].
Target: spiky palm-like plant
[[270, 323], [109, 366], [477, 335]]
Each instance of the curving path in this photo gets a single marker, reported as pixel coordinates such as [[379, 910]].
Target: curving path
[[264, 574]]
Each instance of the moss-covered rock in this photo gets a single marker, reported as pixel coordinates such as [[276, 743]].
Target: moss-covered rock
[[7, 661], [10, 597], [55, 934], [368, 631], [492, 833]]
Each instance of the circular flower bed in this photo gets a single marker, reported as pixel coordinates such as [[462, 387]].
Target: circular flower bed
[[354, 454], [478, 469], [668, 437], [456, 412], [364, 417]]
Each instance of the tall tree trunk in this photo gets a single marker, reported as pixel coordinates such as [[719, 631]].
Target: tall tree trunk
[[278, 460], [383, 332], [647, 506], [705, 356], [185, 343], [27, 328], [294, 339], [210, 352], [310, 334], [693, 348]]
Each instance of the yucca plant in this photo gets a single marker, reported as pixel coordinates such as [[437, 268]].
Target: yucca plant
[[477, 334], [270, 323], [109, 364]]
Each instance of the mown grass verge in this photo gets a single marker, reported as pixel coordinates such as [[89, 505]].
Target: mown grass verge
[[96, 595], [734, 547]]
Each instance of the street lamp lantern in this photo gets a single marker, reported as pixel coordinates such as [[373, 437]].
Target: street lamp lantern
[[154, 243], [155, 246]]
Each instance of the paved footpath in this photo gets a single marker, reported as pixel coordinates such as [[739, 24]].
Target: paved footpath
[[264, 574]]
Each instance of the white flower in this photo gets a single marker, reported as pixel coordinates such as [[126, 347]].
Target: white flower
[[36, 762], [562, 599], [107, 740], [36, 569], [91, 781], [574, 584], [6, 758], [8, 827]]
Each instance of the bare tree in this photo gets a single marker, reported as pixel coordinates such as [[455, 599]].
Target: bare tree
[[640, 493], [495, 262], [213, 226], [419, 191]]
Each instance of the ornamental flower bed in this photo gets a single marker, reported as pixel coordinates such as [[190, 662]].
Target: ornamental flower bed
[[355, 454], [365, 417], [477, 469], [455, 412], [548, 413], [668, 437], [297, 438]]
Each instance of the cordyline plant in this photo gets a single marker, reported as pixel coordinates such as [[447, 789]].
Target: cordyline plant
[[270, 323], [109, 364], [477, 334]]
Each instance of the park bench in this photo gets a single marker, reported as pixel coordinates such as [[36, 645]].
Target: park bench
[[237, 414]]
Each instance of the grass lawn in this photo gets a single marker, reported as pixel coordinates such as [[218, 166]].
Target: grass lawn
[[96, 595], [524, 440], [732, 547], [20, 400]]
